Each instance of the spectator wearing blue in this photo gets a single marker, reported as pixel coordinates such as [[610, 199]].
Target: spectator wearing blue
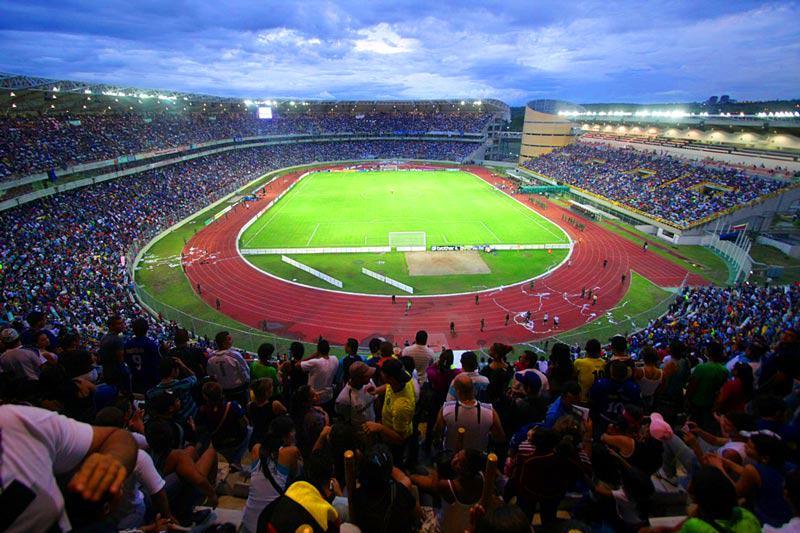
[[142, 357], [351, 356], [570, 393], [36, 324], [178, 378]]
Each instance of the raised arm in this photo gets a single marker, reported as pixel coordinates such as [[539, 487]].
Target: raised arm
[[111, 457]]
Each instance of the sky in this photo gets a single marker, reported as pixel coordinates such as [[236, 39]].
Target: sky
[[639, 51]]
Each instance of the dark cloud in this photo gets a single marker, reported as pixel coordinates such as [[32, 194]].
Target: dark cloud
[[660, 50]]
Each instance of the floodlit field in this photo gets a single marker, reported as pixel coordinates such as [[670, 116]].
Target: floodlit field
[[362, 208]]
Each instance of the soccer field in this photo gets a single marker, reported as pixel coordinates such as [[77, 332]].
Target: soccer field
[[339, 209]]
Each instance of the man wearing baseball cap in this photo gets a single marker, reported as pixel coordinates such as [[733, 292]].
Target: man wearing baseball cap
[[397, 415], [17, 361], [355, 402]]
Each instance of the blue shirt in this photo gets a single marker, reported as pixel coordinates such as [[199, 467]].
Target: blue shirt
[[608, 397], [141, 354], [555, 412]]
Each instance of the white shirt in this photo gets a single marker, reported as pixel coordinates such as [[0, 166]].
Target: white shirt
[[423, 357], [144, 477], [229, 368], [21, 363], [477, 433], [355, 405], [36, 445], [789, 527], [321, 372]]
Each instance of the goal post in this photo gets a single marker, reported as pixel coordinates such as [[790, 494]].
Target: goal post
[[407, 238]]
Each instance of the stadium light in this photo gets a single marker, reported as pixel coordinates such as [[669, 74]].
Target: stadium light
[[55, 89], [87, 91]]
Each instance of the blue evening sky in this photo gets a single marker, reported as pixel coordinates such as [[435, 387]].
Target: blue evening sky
[[583, 51]]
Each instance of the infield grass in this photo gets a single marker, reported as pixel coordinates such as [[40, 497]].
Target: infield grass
[[506, 268], [361, 208]]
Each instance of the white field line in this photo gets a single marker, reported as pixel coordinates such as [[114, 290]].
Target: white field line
[[312, 234], [274, 211], [490, 231], [527, 213]]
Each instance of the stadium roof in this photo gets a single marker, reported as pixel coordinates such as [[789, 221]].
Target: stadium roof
[[21, 94]]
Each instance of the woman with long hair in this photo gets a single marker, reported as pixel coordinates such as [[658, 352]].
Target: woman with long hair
[[225, 423], [737, 391], [278, 463], [498, 371], [560, 369], [440, 375]]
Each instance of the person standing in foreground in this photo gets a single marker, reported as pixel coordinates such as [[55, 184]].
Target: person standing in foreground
[[229, 369], [321, 368], [422, 355], [396, 427], [355, 402]]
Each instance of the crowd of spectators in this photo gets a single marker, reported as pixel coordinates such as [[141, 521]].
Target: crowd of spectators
[[64, 254], [605, 438], [30, 145], [112, 420], [678, 191]]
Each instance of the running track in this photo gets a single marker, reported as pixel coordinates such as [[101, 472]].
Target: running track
[[302, 313]]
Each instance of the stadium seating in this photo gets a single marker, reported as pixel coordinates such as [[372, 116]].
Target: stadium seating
[[598, 437], [677, 191], [62, 254], [30, 145]]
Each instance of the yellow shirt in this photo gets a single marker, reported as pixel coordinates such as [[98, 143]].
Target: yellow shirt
[[398, 409], [589, 370]]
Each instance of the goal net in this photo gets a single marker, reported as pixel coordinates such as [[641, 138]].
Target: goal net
[[388, 167], [407, 238]]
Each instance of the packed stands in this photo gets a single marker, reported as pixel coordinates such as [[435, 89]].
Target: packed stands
[[62, 254], [91, 385], [677, 191], [31, 145], [582, 431]]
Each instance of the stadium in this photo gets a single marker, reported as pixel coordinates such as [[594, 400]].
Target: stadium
[[221, 279]]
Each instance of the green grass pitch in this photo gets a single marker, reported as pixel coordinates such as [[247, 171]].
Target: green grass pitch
[[361, 209]]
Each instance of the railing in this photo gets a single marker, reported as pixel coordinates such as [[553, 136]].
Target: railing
[[243, 337]]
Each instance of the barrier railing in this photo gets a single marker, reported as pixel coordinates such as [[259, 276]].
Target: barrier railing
[[243, 337]]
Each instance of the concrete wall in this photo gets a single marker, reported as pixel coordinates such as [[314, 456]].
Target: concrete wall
[[792, 250], [542, 133]]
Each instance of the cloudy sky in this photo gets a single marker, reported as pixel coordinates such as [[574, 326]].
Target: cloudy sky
[[583, 51]]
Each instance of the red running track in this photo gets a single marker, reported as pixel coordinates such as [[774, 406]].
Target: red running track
[[296, 312]]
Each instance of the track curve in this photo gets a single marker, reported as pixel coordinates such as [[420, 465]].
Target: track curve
[[248, 295]]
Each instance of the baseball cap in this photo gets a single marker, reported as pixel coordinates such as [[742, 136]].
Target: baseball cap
[[361, 370], [394, 369], [161, 401], [9, 335], [659, 428], [530, 379]]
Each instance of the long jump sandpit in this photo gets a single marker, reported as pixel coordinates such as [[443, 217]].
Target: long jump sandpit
[[445, 263]]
